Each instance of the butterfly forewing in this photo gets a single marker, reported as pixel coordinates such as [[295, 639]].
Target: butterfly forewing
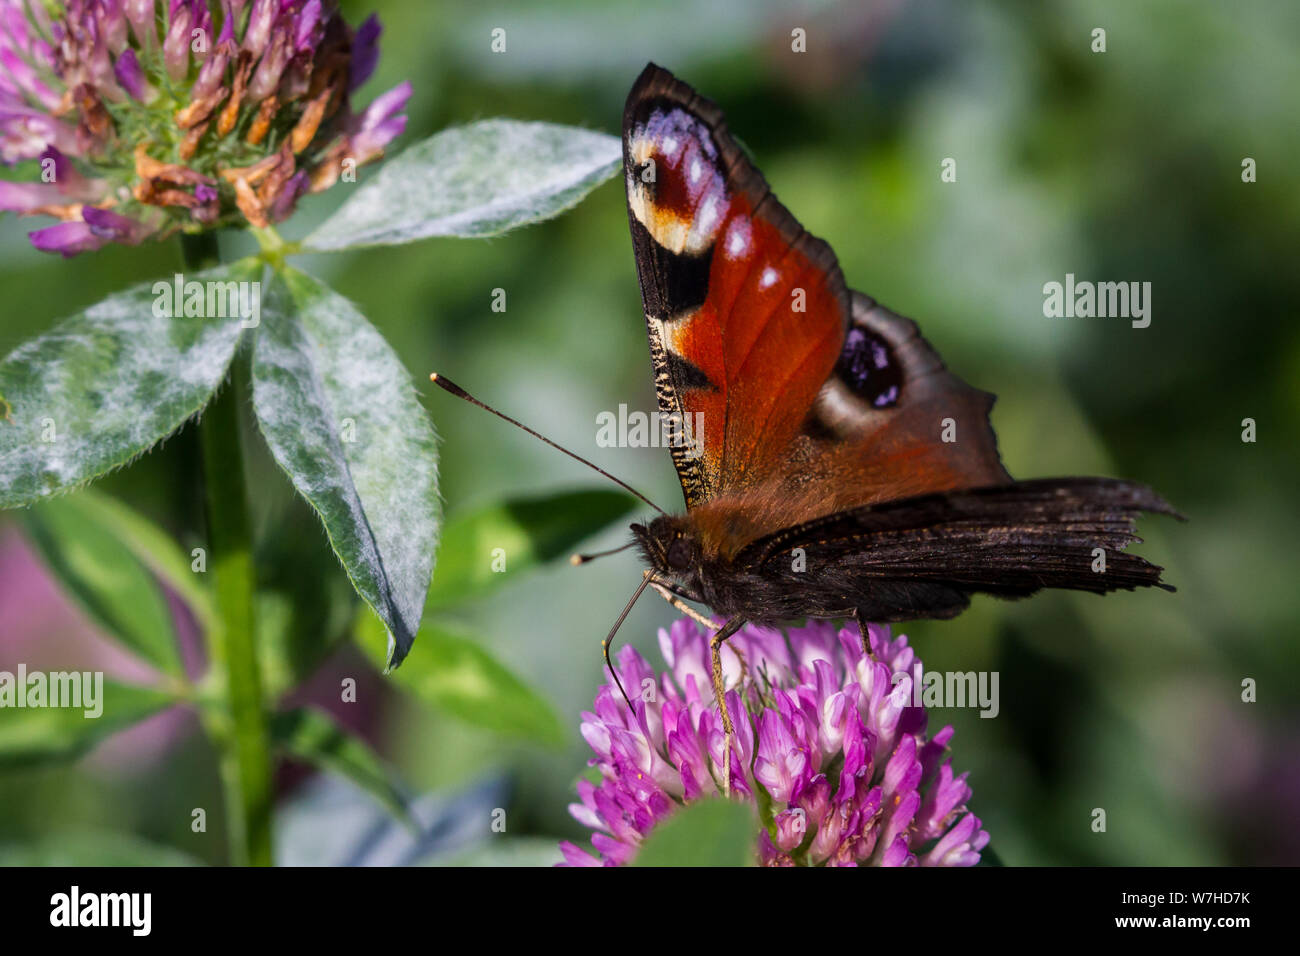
[[803, 398], [746, 312]]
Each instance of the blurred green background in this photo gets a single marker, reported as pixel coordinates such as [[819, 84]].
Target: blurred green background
[[1123, 165]]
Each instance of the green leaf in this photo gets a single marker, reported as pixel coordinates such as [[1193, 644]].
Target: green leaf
[[305, 603], [106, 385], [314, 736], [296, 634], [473, 181], [457, 676], [530, 531], [155, 549], [342, 418], [104, 577], [31, 736], [709, 833]]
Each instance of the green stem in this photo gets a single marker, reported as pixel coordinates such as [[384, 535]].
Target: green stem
[[243, 739], [274, 248]]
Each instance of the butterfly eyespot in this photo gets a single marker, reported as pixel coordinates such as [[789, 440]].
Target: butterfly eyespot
[[868, 367]]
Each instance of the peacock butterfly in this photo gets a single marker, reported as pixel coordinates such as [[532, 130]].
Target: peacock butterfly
[[822, 485]]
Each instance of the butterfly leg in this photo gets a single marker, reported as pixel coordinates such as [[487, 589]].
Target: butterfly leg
[[862, 631], [682, 606], [719, 692]]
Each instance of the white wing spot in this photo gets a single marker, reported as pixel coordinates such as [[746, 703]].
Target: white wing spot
[[737, 242], [704, 218], [768, 278]]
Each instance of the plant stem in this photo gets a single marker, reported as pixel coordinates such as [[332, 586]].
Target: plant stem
[[274, 248], [244, 742]]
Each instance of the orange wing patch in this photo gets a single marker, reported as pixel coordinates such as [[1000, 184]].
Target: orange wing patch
[[746, 312]]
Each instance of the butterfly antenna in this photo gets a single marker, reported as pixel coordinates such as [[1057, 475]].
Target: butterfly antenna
[[614, 630], [576, 559], [447, 385]]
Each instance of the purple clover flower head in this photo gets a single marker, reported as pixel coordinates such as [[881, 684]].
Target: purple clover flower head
[[264, 117], [829, 749]]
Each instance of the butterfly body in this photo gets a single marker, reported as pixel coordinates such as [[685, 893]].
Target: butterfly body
[[843, 470]]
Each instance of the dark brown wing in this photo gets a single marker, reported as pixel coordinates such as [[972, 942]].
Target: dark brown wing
[[923, 557]]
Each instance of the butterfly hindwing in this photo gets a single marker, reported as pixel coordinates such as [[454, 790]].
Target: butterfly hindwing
[[892, 421], [925, 556]]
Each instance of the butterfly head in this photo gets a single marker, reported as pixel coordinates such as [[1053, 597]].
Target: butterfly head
[[669, 547]]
